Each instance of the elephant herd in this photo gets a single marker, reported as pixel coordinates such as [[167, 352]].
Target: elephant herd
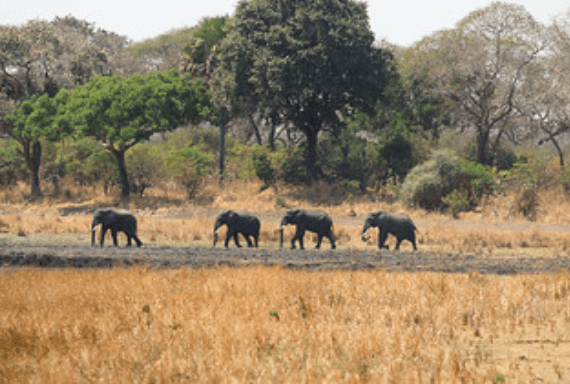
[[248, 225]]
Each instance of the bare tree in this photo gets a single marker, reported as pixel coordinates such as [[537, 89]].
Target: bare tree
[[480, 67]]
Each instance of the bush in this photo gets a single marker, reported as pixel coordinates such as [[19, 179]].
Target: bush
[[429, 182], [263, 170], [144, 166], [188, 167], [457, 202], [12, 165]]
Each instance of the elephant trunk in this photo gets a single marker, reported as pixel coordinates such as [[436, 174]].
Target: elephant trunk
[[93, 230], [364, 231], [281, 236], [215, 237]]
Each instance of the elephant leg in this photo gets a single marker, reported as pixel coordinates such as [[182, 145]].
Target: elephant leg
[[330, 236], [381, 239], [398, 242], [137, 240], [298, 236], [413, 241], [236, 240], [103, 232], [114, 234], [319, 239], [249, 243], [228, 237], [255, 241], [129, 238]]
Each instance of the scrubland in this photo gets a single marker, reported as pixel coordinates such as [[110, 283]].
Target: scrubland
[[271, 324]]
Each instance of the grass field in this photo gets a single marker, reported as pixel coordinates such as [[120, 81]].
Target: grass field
[[268, 324]]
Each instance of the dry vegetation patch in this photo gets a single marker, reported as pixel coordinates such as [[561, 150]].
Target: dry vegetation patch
[[262, 324]]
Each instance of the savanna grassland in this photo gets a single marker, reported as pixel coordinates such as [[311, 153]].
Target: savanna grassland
[[269, 323]]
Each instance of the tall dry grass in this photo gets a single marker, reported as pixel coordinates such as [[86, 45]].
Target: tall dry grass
[[276, 325], [167, 218]]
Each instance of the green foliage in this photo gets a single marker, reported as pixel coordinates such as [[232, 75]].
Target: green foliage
[[131, 110], [12, 165], [188, 167], [457, 202], [206, 35], [145, 167], [446, 180], [346, 157], [87, 162], [429, 182], [263, 170], [306, 64], [39, 117], [479, 180]]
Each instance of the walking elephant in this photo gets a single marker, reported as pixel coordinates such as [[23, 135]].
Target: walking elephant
[[399, 225], [313, 221], [245, 223], [116, 221]]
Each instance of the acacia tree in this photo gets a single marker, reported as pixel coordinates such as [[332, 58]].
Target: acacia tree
[[479, 68], [123, 112], [306, 63], [40, 58]]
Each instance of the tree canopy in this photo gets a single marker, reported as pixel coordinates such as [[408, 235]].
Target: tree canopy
[[121, 112], [307, 63]]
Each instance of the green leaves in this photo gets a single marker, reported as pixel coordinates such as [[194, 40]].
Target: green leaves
[[128, 111]]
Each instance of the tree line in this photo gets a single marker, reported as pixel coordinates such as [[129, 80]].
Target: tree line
[[303, 78]]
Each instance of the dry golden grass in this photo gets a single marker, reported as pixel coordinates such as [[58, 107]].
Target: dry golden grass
[[167, 218], [276, 325]]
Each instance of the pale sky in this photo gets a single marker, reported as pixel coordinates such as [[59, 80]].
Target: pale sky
[[400, 22]]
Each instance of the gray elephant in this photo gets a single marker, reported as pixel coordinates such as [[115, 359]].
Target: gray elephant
[[245, 223], [313, 221], [399, 225], [116, 221]]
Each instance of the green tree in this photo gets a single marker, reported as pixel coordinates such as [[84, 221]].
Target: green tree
[[42, 57], [306, 63], [123, 112], [37, 119]]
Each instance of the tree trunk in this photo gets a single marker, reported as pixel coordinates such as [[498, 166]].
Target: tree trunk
[[482, 145], [311, 154], [123, 177], [34, 162], [222, 153]]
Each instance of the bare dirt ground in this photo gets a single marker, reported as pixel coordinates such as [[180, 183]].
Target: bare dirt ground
[[85, 256]]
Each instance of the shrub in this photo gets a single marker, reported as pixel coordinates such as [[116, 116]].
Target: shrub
[[263, 170], [12, 165], [429, 182], [457, 202], [188, 167], [144, 165]]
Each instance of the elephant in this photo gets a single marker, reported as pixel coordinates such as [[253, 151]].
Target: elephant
[[399, 225], [116, 221], [244, 223], [314, 221]]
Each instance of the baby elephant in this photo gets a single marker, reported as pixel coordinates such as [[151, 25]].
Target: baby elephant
[[244, 223], [116, 221], [400, 225], [313, 221]]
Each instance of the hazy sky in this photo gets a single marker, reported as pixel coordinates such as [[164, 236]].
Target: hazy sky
[[401, 22]]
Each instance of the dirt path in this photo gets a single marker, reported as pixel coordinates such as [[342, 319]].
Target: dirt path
[[84, 256]]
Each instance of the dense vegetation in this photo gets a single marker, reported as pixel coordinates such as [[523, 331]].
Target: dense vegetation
[[304, 94]]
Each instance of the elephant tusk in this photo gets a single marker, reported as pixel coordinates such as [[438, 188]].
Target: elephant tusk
[[363, 236], [282, 227], [93, 229]]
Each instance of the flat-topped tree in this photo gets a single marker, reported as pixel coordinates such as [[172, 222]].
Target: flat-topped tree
[[121, 112]]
